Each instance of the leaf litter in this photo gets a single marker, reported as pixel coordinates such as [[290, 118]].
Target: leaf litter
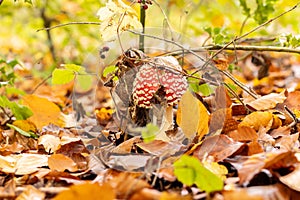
[[228, 150]]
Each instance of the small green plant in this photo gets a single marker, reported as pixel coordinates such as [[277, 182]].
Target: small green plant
[[70, 72], [7, 81], [189, 170], [149, 132], [263, 9]]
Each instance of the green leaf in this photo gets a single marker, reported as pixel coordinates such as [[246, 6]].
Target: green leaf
[[74, 68], [109, 70], [263, 10], [62, 76], [149, 132], [84, 81], [22, 132], [14, 91], [19, 111], [205, 89], [246, 9], [189, 171]]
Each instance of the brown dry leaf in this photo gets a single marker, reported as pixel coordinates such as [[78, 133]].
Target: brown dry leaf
[[288, 142], [268, 101], [243, 134], [281, 131], [159, 147], [293, 100], [31, 192], [218, 146], [222, 99], [273, 160], [92, 191], [9, 190], [59, 162], [254, 148], [126, 146], [50, 143], [152, 194], [44, 111], [292, 179], [126, 185], [261, 118], [221, 63], [222, 120], [257, 193], [192, 116]]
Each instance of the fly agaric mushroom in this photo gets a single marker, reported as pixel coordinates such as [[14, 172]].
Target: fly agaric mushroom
[[161, 73]]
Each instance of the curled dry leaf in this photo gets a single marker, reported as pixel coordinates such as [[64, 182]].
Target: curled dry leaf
[[50, 143], [292, 179], [261, 118], [59, 162], [268, 101], [221, 120]]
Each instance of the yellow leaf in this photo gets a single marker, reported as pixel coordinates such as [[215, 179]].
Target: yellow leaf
[[116, 15], [44, 111], [216, 168], [60, 162], [87, 191], [192, 116], [25, 125], [259, 118]]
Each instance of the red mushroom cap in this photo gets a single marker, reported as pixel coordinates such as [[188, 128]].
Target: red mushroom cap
[[162, 72]]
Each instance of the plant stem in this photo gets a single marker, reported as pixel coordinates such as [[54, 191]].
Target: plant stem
[[142, 20]]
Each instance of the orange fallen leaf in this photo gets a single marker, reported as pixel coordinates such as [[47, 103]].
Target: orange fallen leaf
[[44, 111], [60, 162], [243, 134], [261, 118], [87, 191]]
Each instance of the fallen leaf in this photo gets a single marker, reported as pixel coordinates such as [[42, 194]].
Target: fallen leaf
[[59, 162], [221, 120], [257, 193], [243, 134], [125, 185], [49, 142], [292, 179], [192, 116], [160, 148], [218, 146], [87, 191], [31, 192], [292, 100], [268, 101], [261, 118], [44, 111]]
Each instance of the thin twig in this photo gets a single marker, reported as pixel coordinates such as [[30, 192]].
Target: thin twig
[[69, 23], [240, 48], [143, 22]]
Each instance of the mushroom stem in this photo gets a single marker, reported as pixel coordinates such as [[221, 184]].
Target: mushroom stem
[[167, 122]]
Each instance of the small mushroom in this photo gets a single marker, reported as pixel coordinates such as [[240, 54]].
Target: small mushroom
[[162, 73]]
